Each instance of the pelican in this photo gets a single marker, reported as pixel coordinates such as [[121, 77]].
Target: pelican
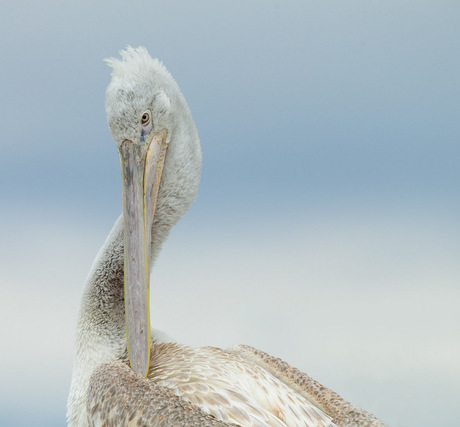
[[126, 374]]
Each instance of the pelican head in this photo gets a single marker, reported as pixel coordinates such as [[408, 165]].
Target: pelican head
[[160, 163]]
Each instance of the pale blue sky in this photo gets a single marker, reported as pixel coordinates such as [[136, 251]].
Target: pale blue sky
[[326, 227]]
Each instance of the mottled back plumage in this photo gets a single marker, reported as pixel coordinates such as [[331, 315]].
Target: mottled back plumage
[[211, 386]]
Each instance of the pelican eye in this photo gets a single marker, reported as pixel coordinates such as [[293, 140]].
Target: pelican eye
[[145, 119]]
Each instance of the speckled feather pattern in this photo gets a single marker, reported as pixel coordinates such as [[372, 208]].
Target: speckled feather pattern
[[119, 397], [242, 386], [343, 412], [220, 383], [230, 387]]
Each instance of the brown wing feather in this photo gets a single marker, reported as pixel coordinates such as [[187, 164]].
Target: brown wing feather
[[231, 387], [343, 412], [119, 397]]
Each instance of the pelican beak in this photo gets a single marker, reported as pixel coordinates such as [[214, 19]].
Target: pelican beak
[[141, 169]]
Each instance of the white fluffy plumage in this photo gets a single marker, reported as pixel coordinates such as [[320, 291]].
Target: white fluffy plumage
[[185, 386]]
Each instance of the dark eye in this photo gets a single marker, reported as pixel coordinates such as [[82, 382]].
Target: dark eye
[[145, 119]]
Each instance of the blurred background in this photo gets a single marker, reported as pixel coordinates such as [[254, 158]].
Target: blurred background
[[326, 229]]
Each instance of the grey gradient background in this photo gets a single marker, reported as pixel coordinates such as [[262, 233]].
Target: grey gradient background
[[326, 227]]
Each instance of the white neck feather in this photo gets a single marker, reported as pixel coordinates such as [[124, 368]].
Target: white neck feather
[[101, 335], [100, 332]]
